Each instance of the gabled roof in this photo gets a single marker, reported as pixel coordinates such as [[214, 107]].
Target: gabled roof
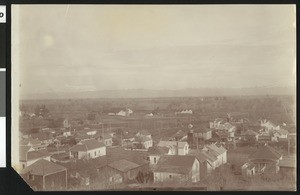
[[223, 134], [123, 165], [219, 150], [43, 167], [209, 156], [265, 152], [158, 150], [175, 164], [181, 144], [199, 155], [37, 154], [87, 145], [180, 133]]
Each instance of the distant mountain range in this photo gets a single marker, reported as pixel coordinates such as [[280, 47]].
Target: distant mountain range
[[145, 93]]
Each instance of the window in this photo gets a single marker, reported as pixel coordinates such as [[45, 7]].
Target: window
[[170, 176], [31, 177], [23, 166], [154, 159], [95, 153]]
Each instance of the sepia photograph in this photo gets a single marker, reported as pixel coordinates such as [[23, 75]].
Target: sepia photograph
[[154, 97]]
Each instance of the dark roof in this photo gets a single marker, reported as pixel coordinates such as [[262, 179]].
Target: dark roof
[[158, 150], [43, 167], [199, 155], [219, 150], [179, 133], [37, 154], [175, 164], [265, 152], [123, 165]]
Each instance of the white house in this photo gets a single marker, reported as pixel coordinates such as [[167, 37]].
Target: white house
[[268, 125], [176, 147], [88, 149], [143, 133], [177, 169]]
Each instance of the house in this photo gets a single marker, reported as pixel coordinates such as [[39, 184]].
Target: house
[[45, 138], [212, 159], [268, 125], [176, 147], [206, 166], [220, 152], [179, 136], [154, 153], [184, 112], [250, 136], [177, 168], [122, 113], [203, 134], [281, 133], [265, 159], [36, 144], [107, 139], [88, 149], [127, 169], [223, 136], [45, 175], [144, 133], [28, 156], [142, 142]]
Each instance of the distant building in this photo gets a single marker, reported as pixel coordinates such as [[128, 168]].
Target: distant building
[[179, 136], [127, 169], [36, 144], [176, 147], [143, 141], [45, 175], [28, 156], [265, 159], [219, 152], [268, 125], [154, 153], [45, 138], [88, 149], [177, 169], [184, 112], [144, 133]]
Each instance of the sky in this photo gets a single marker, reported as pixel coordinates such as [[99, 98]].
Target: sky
[[66, 48]]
